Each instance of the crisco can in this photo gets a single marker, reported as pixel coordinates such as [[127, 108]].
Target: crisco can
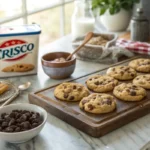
[[19, 47]]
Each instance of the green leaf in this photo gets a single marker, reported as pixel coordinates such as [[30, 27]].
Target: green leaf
[[112, 2], [103, 10], [111, 10]]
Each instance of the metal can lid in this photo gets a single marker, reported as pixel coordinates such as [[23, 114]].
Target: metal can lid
[[139, 15], [19, 30]]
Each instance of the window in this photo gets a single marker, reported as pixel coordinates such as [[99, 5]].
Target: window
[[52, 16]]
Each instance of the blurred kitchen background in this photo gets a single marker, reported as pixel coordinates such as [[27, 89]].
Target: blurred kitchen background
[[54, 16]]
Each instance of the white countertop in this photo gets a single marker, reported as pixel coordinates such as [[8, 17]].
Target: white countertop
[[58, 135]]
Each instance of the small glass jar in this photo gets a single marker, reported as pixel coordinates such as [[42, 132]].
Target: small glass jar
[[83, 19]]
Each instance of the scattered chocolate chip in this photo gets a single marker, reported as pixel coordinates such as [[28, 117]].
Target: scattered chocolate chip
[[74, 87], [113, 69], [12, 122], [71, 98], [113, 84], [121, 72], [90, 106], [126, 69], [132, 75], [127, 90], [4, 124], [96, 83], [9, 129], [66, 95], [106, 101], [84, 101], [132, 93], [79, 89], [17, 129]]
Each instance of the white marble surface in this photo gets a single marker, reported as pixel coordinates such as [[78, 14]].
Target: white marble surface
[[57, 135]]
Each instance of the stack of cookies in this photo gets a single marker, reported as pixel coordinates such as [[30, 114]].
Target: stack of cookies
[[118, 80]]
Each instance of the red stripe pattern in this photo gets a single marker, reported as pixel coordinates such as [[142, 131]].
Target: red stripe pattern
[[136, 47]]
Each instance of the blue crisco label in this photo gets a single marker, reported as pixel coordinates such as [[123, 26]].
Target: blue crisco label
[[15, 49]]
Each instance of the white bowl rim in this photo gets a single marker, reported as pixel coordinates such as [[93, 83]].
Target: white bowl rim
[[30, 130]]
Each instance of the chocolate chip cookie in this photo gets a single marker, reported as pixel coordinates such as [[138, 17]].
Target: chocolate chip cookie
[[98, 103], [70, 91], [141, 65], [142, 81], [122, 72], [101, 83], [129, 92], [19, 68]]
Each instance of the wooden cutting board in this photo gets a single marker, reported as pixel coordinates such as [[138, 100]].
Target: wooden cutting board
[[94, 125]]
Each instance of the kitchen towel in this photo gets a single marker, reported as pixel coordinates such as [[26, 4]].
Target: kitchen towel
[[136, 47]]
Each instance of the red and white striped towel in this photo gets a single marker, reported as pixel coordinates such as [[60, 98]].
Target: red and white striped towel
[[136, 47]]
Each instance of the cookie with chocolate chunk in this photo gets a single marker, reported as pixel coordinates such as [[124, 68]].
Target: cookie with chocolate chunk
[[97, 103], [129, 92], [122, 72], [141, 65], [70, 91], [101, 83], [142, 81]]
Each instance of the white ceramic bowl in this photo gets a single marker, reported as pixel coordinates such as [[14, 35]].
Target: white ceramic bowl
[[19, 137]]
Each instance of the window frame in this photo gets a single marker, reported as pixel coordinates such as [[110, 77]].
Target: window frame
[[25, 13]]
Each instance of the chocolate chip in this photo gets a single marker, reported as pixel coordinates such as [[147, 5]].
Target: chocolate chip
[[127, 90], [4, 124], [96, 83], [71, 98], [132, 74], [17, 129], [106, 101], [122, 72], [113, 84], [113, 69], [23, 118], [26, 125], [90, 106], [84, 101], [126, 69], [12, 122], [9, 129], [132, 93], [34, 124], [66, 95], [3, 115], [74, 87], [79, 89]]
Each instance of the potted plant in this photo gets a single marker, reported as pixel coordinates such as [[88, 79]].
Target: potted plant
[[115, 15]]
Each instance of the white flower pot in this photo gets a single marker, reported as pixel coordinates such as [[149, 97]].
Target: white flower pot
[[116, 22]]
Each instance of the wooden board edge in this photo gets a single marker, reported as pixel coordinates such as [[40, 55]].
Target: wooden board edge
[[96, 130]]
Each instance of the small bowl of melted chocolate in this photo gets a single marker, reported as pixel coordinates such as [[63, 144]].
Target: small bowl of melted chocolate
[[56, 66]]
